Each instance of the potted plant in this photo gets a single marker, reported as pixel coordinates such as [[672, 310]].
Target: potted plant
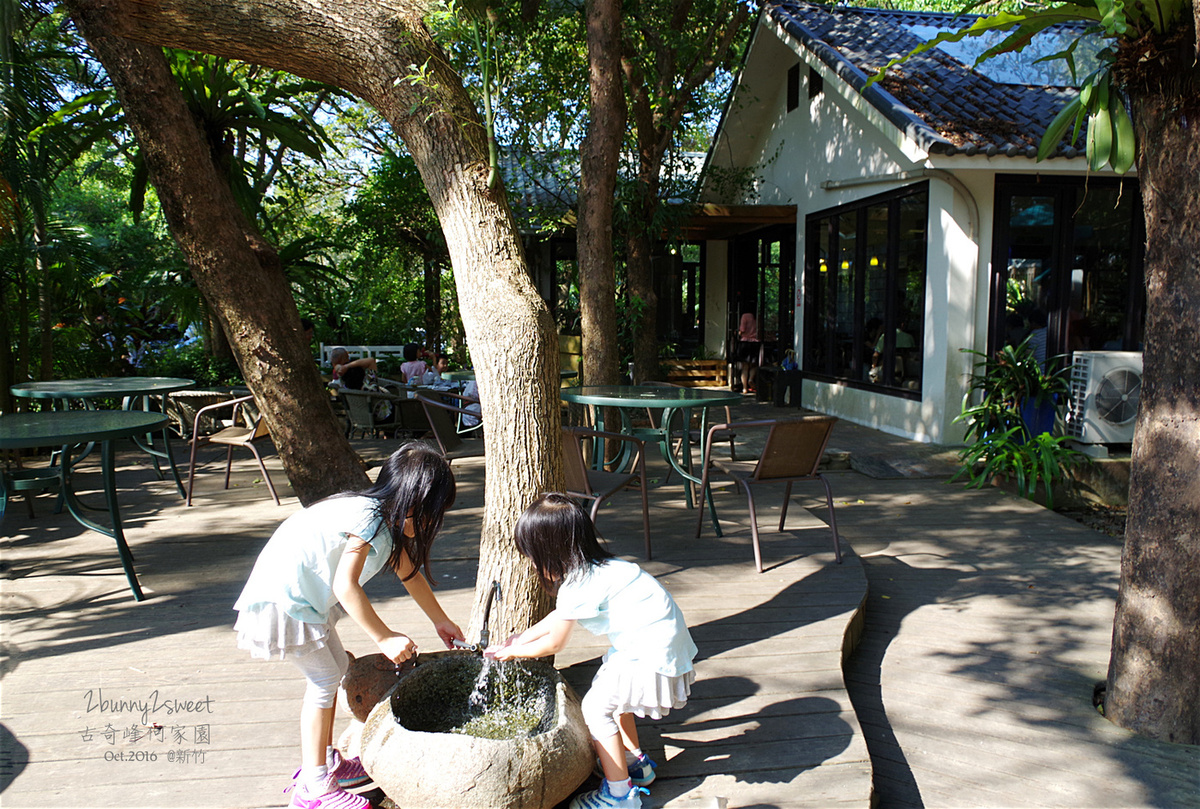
[[1010, 411]]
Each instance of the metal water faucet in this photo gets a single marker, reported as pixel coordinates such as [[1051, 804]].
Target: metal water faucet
[[493, 593]]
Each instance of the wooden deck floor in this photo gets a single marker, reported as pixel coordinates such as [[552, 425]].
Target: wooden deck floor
[[985, 619]]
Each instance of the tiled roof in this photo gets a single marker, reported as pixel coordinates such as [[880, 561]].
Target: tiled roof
[[938, 100], [543, 187]]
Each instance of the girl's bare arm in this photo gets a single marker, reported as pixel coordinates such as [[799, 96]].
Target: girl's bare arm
[[418, 587], [548, 636], [396, 646]]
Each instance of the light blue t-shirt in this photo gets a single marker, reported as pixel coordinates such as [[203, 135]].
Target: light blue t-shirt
[[642, 621], [295, 569]]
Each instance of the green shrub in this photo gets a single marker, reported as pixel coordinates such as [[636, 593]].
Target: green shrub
[[1000, 444], [191, 361]]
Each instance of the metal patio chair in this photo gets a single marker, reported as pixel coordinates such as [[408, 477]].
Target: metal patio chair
[[597, 485], [441, 409], [244, 428], [792, 452]]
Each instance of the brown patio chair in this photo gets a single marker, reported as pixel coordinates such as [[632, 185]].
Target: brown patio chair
[[244, 428], [792, 452], [16, 479], [597, 485], [441, 409], [183, 404]]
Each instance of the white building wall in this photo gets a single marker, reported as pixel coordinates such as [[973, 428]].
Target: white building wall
[[836, 149], [716, 299]]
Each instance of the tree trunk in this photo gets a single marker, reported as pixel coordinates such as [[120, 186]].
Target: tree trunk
[[237, 273], [215, 341], [433, 304], [597, 189], [643, 300], [45, 305], [1154, 672], [662, 79], [383, 53]]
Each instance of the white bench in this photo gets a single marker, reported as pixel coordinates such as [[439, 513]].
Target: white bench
[[357, 352]]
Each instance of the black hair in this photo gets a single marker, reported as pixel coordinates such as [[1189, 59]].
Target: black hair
[[416, 478], [411, 352], [558, 536], [306, 324], [354, 378]]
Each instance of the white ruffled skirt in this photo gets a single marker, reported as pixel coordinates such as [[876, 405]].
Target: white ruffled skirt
[[268, 632], [641, 690]]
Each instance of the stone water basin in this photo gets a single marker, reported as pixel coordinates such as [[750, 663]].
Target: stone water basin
[[522, 745]]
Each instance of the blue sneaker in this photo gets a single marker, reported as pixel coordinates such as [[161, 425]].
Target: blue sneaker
[[602, 799], [641, 772]]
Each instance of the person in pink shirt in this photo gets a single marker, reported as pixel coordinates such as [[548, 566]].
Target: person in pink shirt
[[749, 347], [414, 367]]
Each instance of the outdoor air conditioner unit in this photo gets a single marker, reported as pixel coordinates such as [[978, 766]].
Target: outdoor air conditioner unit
[[1105, 389]]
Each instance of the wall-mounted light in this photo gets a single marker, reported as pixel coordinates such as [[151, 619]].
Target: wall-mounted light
[[874, 261]]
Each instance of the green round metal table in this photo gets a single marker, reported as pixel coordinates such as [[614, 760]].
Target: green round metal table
[[673, 401], [67, 428], [129, 389]]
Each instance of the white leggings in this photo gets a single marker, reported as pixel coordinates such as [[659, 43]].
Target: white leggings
[[600, 713], [324, 669]]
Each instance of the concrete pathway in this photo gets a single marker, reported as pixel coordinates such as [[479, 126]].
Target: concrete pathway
[[986, 625]]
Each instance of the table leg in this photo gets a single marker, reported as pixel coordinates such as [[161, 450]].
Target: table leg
[[684, 469], [147, 446], [108, 471]]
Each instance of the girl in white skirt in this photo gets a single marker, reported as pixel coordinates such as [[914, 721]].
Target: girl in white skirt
[[311, 573], [647, 672]]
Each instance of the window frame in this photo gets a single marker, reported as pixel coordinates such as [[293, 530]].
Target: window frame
[[825, 368]]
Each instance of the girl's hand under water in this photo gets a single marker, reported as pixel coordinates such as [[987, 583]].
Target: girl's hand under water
[[502, 651]]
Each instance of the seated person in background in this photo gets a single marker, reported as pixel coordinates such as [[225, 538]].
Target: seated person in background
[[904, 341], [1015, 330], [414, 368], [1038, 336], [471, 389], [441, 364], [353, 374], [359, 374]]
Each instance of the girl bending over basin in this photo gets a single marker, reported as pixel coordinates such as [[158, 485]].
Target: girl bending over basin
[[311, 573], [647, 672]]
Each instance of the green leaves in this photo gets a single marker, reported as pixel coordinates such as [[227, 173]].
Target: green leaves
[[999, 442], [1110, 137], [1072, 113]]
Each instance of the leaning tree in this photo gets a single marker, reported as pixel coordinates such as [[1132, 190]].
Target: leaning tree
[[385, 55]]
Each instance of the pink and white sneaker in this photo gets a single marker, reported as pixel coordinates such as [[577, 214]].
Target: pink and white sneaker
[[349, 772], [334, 797]]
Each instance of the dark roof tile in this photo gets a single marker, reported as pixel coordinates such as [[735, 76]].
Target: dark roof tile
[[935, 98]]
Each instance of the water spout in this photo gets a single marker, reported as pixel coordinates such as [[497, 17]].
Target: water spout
[[493, 593]]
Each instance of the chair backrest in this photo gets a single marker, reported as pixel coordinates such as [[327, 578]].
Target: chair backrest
[[441, 416], [574, 464], [250, 416], [358, 408], [794, 448]]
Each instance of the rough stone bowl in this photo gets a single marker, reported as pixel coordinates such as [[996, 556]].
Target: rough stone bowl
[[432, 769]]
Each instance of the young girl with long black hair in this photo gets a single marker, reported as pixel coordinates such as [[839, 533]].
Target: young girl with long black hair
[[311, 573], [647, 672]]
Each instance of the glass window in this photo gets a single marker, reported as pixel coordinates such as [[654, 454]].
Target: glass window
[[865, 291], [1067, 265]]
